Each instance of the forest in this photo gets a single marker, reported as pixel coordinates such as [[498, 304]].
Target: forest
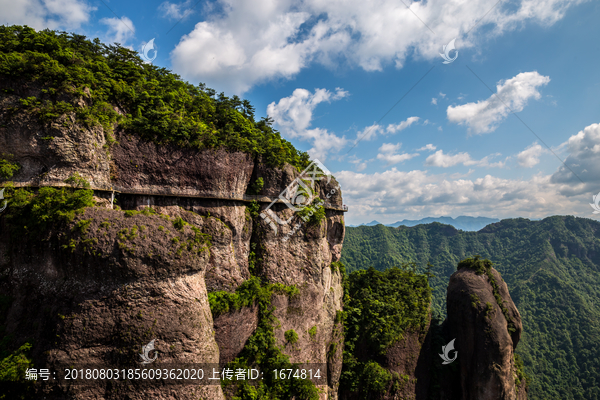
[[68, 69], [552, 269]]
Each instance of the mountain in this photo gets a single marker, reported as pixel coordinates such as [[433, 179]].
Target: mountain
[[463, 222], [552, 268]]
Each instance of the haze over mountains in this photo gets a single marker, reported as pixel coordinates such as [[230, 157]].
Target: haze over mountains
[[464, 223]]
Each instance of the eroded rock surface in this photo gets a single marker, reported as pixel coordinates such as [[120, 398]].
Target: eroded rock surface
[[96, 295], [484, 343]]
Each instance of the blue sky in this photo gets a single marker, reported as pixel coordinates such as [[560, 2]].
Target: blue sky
[[328, 71]]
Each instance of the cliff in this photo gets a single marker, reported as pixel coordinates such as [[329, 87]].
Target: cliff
[[94, 290], [154, 225], [486, 327], [89, 281]]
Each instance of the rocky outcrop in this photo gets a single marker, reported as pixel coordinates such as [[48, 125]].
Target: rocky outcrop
[[487, 327], [410, 358], [94, 291]]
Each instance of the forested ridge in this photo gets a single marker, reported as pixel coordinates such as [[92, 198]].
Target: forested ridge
[[110, 85], [552, 269]]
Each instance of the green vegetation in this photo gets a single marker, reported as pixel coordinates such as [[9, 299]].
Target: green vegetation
[[551, 268], [520, 374], [13, 366], [158, 105], [485, 267], [261, 350], [312, 332], [14, 358], [256, 187], [314, 213], [78, 181], [291, 336], [475, 302], [253, 209], [7, 167], [35, 213], [379, 308]]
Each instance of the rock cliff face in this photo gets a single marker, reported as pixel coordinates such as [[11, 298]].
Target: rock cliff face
[[95, 291], [487, 327]]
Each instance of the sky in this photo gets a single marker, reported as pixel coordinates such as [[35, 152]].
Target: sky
[[419, 108]]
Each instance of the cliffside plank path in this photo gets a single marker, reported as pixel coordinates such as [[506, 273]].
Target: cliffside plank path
[[209, 196]]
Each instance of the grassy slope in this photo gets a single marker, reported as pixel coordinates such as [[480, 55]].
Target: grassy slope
[[552, 268]]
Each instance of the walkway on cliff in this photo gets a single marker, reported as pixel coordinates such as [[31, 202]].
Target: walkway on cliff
[[189, 194]]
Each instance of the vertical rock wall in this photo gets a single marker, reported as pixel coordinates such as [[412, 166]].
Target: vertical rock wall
[[96, 295]]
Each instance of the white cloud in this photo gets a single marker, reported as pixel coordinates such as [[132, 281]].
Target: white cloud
[[293, 116], [583, 159], [485, 115], [176, 10], [402, 125], [434, 100], [40, 14], [439, 159], [242, 43], [530, 156], [359, 163], [428, 147], [387, 153], [120, 30], [370, 132], [393, 195]]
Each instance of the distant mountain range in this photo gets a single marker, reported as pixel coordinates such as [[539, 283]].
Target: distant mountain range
[[463, 222]]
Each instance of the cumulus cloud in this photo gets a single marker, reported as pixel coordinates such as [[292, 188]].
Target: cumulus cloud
[[511, 96], [242, 43], [370, 132], [583, 159], [393, 195], [439, 159], [120, 30], [40, 14], [530, 156], [428, 147], [388, 153], [293, 116]]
